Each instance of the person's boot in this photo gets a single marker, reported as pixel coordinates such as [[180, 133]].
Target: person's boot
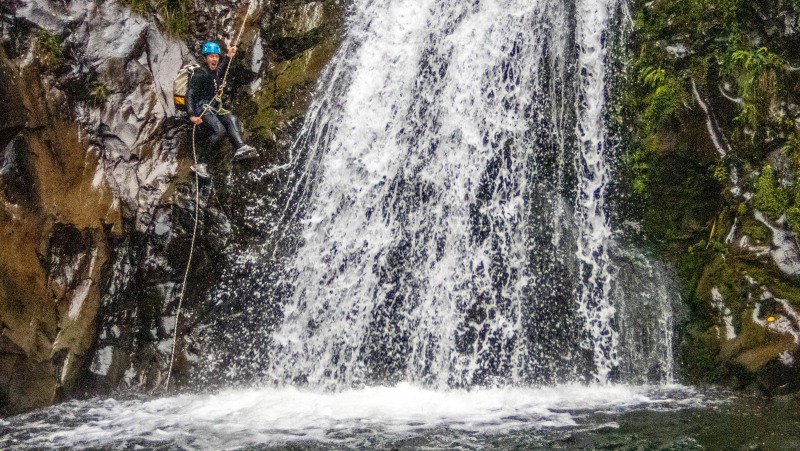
[[244, 152], [201, 170]]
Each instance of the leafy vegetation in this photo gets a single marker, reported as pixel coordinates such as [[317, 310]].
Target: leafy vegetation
[[755, 73], [173, 14], [711, 112], [770, 198], [50, 50], [98, 94]]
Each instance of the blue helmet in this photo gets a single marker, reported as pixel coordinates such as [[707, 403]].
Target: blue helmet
[[210, 47]]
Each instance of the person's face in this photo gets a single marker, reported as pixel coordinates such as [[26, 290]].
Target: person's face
[[212, 59]]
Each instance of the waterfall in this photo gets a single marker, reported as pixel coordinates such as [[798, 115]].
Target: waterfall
[[446, 213]]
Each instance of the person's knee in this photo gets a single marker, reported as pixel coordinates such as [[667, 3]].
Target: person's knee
[[215, 131], [230, 122]]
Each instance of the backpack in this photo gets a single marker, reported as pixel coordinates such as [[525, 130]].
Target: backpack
[[179, 85]]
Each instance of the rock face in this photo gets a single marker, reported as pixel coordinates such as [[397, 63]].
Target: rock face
[[98, 202], [714, 121]]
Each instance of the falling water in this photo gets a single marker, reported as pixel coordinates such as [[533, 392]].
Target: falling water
[[440, 269], [446, 213]]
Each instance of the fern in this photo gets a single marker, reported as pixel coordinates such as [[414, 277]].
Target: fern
[[756, 75]]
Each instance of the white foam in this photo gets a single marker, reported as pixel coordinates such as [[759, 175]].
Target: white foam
[[241, 418], [595, 303]]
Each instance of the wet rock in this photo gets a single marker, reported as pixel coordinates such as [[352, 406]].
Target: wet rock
[[785, 251], [776, 378], [11, 121], [16, 176], [735, 243], [97, 203]]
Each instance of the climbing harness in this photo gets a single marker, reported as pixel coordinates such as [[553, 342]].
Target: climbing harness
[[206, 107]]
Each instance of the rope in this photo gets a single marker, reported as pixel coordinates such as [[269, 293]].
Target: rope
[[191, 254], [197, 204], [235, 44]]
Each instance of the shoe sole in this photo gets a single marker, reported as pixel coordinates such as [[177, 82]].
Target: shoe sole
[[246, 156]]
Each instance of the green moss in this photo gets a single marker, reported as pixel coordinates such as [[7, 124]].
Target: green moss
[[792, 148], [700, 357], [286, 96], [672, 168], [303, 69], [741, 210], [793, 219], [770, 198], [721, 173], [723, 276], [772, 279], [287, 47], [690, 268], [755, 230]]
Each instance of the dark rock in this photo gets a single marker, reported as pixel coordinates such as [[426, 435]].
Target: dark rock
[[16, 176], [92, 267], [778, 378]]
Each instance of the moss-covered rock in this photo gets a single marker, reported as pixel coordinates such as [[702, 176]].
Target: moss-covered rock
[[712, 109], [770, 198]]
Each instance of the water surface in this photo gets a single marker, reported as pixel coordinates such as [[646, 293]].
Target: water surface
[[408, 417]]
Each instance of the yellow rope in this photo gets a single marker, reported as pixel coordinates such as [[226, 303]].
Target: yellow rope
[[197, 206]]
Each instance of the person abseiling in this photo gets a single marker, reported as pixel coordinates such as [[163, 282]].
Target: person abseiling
[[202, 92]]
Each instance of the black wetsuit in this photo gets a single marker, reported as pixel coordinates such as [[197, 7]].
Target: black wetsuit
[[200, 91]]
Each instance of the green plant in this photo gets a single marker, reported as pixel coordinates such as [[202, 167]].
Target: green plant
[[175, 16], [756, 75], [770, 198], [653, 77], [139, 6], [665, 96], [793, 219], [755, 230], [51, 50], [98, 94], [792, 147]]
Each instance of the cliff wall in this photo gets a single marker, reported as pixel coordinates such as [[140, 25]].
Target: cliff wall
[[712, 116], [97, 199]]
